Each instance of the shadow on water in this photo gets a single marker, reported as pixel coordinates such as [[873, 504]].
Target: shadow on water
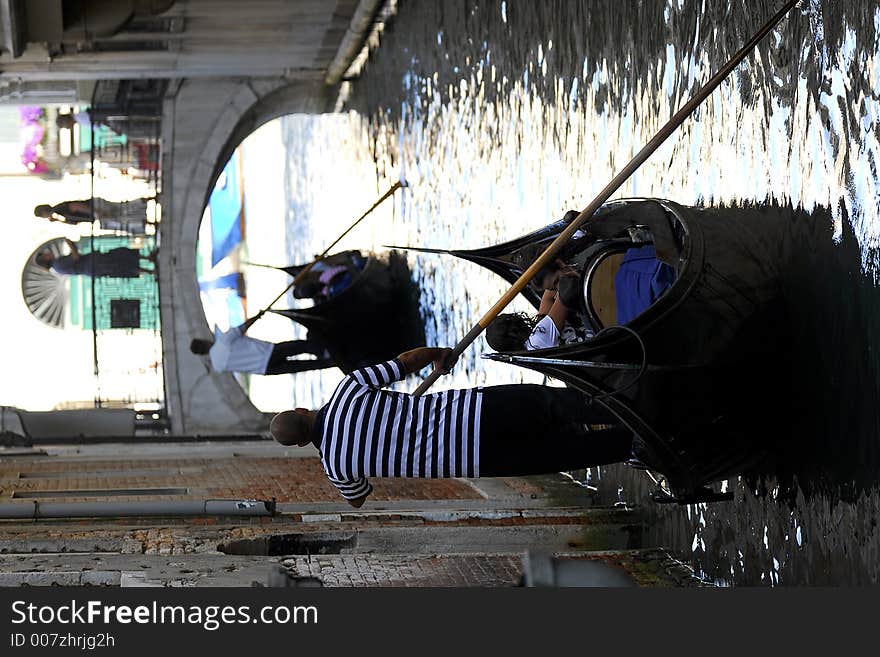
[[502, 107], [806, 511], [819, 387], [833, 311], [809, 386]]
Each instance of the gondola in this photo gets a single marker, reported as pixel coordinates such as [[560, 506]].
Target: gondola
[[691, 375], [375, 318]]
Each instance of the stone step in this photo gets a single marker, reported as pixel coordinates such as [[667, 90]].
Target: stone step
[[441, 539], [646, 567]]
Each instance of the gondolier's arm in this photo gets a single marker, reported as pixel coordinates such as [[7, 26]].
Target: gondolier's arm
[[416, 359]]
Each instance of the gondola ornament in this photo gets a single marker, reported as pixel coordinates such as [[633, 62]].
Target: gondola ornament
[[554, 248]]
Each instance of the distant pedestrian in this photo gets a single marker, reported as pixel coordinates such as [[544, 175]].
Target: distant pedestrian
[[81, 118], [126, 216], [496, 431], [116, 263]]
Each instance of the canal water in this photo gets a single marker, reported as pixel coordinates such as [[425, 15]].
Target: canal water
[[503, 115]]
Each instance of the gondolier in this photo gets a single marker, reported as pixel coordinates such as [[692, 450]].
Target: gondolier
[[233, 351], [367, 431]]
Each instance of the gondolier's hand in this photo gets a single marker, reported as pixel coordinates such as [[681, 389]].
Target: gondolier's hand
[[244, 327], [444, 362], [415, 359]]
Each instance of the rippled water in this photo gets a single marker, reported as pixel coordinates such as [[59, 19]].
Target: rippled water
[[503, 115]]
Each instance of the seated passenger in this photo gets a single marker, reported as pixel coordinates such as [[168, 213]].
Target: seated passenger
[[329, 277], [560, 283], [640, 281], [547, 278], [549, 328]]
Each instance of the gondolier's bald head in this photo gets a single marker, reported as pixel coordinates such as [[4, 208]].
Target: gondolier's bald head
[[293, 427]]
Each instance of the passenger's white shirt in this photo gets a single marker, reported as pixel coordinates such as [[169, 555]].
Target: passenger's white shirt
[[235, 352], [544, 335]]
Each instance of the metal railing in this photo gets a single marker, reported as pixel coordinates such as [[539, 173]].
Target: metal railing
[[122, 307]]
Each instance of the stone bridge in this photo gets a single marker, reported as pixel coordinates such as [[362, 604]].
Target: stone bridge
[[204, 119], [226, 66]]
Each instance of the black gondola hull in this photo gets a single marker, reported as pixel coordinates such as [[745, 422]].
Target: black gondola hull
[[704, 403], [374, 319]]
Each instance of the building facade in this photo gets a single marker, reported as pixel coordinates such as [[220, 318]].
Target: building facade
[[201, 74]]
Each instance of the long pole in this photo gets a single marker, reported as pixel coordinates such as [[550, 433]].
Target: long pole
[[557, 244], [305, 270], [94, 301]]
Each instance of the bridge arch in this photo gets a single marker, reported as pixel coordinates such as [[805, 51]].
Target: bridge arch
[[203, 123]]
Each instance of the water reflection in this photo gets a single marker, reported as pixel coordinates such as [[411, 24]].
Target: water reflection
[[504, 115]]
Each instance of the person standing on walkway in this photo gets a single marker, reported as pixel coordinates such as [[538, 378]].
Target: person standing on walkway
[[498, 431], [127, 216], [121, 262]]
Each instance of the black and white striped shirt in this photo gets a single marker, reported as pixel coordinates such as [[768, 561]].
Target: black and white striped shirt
[[365, 431]]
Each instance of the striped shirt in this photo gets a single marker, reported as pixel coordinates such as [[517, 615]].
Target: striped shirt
[[365, 431]]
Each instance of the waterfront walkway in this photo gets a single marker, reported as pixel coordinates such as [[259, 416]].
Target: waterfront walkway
[[454, 532]]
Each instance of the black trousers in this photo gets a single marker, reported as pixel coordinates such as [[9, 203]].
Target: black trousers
[[532, 429], [279, 363]]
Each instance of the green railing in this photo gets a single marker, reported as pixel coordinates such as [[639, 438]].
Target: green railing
[[123, 312]]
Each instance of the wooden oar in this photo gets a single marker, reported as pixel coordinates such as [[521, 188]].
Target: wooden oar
[[605, 194], [257, 264], [305, 270]]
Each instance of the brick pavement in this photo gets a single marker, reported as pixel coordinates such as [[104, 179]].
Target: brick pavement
[[286, 479], [187, 541]]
